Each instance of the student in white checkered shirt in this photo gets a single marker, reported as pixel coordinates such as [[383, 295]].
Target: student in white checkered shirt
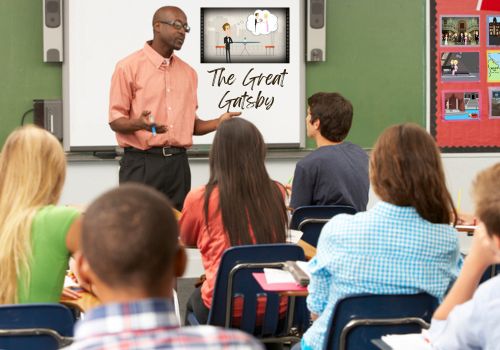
[[403, 245]]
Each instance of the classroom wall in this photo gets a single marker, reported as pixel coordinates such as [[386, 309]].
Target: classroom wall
[[375, 53]]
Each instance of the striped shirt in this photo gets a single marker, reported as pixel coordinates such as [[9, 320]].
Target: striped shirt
[[151, 324], [386, 250]]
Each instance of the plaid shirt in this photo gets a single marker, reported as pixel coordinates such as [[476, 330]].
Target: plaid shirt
[[151, 324], [386, 250]]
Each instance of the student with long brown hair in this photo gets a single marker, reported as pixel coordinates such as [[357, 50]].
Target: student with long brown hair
[[403, 245], [36, 236], [239, 205]]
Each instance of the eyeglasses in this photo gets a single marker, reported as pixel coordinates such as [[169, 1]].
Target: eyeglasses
[[177, 25]]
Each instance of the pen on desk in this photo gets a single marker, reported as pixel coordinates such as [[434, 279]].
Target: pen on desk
[[153, 127]]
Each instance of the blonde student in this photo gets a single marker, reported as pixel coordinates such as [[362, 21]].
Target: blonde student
[[469, 317], [36, 236]]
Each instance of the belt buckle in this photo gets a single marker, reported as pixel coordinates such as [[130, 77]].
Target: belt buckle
[[164, 151]]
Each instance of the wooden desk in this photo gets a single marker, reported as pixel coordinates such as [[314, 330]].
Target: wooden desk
[[309, 250], [85, 303]]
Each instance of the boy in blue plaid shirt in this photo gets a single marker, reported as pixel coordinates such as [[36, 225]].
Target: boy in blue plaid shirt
[[131, 256]]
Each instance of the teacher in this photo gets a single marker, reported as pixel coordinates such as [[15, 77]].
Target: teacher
[[152, 109]]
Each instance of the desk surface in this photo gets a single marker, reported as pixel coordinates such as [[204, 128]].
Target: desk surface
[[85, 303], [309, 250]]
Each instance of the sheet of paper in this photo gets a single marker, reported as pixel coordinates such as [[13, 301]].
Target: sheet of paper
[[294, 236], [303, 267], [412, 341], [278, 276]]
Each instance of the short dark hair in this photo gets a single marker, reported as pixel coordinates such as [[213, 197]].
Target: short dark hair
[[130, 236], [487, 196], [334, 113]]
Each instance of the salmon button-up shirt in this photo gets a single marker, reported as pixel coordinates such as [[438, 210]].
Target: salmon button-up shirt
[[145, 80]]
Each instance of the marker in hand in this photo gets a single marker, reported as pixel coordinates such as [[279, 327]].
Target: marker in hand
[[153, 127]]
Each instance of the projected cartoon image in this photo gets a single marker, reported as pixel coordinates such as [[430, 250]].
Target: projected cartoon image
[[461, 106], [245, 35]]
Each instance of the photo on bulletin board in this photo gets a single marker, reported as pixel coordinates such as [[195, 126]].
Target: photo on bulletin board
[[493, 59], [493, 30], [464, 77], [245, 35], [459, 31], [495, 102], [460, 105], [459, 66]]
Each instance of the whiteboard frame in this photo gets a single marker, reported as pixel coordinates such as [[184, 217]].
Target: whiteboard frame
[[69, 146]]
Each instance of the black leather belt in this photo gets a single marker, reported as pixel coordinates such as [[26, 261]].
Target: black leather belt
[[162, 151]]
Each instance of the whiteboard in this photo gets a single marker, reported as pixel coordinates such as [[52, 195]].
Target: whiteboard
[[99, 33]]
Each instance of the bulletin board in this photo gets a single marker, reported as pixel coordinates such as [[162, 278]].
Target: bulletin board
[[465, 77]]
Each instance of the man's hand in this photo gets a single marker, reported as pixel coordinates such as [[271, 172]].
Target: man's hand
[[228, 115], [131, 125], [145, 123]]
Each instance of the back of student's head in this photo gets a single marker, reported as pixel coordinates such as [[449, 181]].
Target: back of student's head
[[130, 237], [334, 113], [406, 170], [247, 194], [487, 197], [32, 171]]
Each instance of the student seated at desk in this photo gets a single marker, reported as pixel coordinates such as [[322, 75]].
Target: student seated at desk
[[239, 205], [36, 236], [337, 171], [403, 245], [131, 256], [469, 317]]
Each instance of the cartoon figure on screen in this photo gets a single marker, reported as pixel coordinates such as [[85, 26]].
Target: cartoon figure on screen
[[227, 41]]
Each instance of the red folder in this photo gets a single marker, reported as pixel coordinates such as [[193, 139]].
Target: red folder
[[488, 5], [277, 287]]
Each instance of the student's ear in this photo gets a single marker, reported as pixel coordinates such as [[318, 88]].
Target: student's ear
[[180, 261], [316, 124]]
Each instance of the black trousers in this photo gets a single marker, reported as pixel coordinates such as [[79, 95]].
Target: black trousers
[[167, 170]]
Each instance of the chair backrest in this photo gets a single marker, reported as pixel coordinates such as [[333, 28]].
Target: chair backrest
[[358, 319], [35, 326], [311, 219], [257, 311]]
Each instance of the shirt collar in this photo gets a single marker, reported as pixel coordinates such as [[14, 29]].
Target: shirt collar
[[132, 316], [395, 211], [155, 57]]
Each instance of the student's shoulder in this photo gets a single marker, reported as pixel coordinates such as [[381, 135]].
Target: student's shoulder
[[55, 212]]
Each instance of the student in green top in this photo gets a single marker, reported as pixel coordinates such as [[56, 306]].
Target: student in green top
[[36, 237]]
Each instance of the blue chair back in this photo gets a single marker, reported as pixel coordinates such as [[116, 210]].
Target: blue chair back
[[247, 290], [27, 326], [311, 219], [358, 319]]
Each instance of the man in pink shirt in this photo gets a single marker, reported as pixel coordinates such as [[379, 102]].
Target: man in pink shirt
[[152, 109]]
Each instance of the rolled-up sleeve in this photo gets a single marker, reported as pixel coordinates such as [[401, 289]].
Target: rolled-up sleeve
[[120, 95]]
